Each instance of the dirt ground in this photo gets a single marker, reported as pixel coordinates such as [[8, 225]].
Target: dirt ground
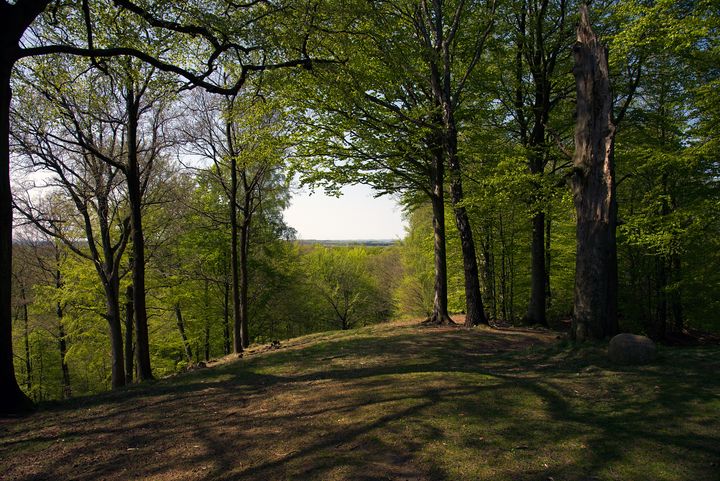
[[398, 401], [233, 421]]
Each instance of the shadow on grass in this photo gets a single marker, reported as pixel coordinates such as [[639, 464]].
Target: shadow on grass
[[418, 404]]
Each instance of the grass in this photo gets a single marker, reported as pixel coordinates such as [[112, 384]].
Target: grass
[[397, 401]]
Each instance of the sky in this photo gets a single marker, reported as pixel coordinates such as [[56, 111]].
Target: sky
[[354, 215]]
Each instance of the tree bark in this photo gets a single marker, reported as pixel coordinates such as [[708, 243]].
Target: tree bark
[[234, 261], [593, 185], [181, 328], [26, 338], [489, 271], [206, 302], [112, 314], [440, 313], [62, 342], [142, 345], [226, 317], [676, 296], [536, 307], [129, 350], [244, 278], [475, 313]]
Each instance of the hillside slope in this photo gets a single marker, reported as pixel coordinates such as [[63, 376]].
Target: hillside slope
[[397, 401]]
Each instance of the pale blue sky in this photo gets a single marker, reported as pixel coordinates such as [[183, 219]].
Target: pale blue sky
[[354, 215]]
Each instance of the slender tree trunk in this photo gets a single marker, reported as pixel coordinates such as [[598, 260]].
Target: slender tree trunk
[[503, 269], [226, 317], [548, 259], [234, 261], [595, 305], [244, 278], [62, 345], [537, 160], [489, 271], [41, 371], [26, 339], [142, 344], [62, 342], [181, 328], [475, 313], [129, 351], [658, 327], [676, 296], [206, 302]]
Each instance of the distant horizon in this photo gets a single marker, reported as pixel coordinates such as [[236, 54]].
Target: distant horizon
[[354, 216]]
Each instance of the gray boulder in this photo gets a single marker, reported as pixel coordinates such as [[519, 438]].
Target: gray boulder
[[628, 349]]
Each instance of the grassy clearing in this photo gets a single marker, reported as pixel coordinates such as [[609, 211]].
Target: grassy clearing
[[396, 401]]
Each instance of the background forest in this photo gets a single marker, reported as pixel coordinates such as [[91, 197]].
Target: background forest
[[148, 202]]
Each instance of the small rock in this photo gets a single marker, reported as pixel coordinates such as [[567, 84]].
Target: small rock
[[626, 349]]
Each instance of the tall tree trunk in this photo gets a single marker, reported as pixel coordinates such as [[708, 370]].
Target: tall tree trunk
[[62, 346], [658, 327], [593, 184], [142, 344], [112, 304], [181, 328], [12, 400], [503, 269], [129, 350], [489, 271], [18, 18], [440, 313], [536, 308], [475, 314]]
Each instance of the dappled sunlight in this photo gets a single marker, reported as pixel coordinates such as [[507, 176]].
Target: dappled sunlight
[[398, 401]]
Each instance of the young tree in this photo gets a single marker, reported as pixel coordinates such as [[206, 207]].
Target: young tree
[[533, 84], [340, 276]]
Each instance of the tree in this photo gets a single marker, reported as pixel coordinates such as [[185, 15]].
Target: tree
[[593, 183], [387, 117], [531, 92], [446, 32], [90, 177], [245, 139], [340, 276]]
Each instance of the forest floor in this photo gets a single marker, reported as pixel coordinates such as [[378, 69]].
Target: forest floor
[[397, 401]]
